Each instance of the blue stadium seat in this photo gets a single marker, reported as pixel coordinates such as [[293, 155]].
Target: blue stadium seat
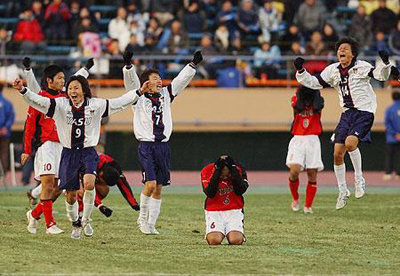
[[103, 8], [9, 20], [195, 35], [344, 9], [59, 49], [104, 21]]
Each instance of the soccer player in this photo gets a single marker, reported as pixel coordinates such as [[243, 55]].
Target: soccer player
[[224, 183], [40, 132], [78, 120], [351, 78], [153, 128], [304, 152]]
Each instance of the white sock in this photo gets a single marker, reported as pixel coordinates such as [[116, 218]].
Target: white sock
[[144, 207], [355, 157], [36, 191], [88, 203], [72, 211], [340, 173], [154, 210]]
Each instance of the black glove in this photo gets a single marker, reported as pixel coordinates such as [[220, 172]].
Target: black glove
[[394, 72], [105, 210], [219, 163], [197, 58], [26, 62], [89, 63], [136, 208], [298, 63], [384, 56], [127, 55]]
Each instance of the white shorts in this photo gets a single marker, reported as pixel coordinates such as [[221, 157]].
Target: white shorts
[[224, 221], [305, 150], [47, 159]]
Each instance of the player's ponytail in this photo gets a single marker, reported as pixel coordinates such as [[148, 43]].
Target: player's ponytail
[[84, 83]]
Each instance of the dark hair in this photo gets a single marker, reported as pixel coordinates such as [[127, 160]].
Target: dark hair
[[396, 95], [84, 83], [110, 175], [50, 71], [146, 74], [353, 44]]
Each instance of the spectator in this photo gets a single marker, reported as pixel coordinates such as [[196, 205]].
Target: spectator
[[291, 7], [269, 19], [329, 37], [6, 121], [247, 19], [5, 38], [394, 40], [292, 34], [29, 33], [266, 60], [194, 20], [75, 8], [236, 47], [361, 27], [392, 124], [296, 49], [164, 10], [89, 39], [134, 29], [119, 26], [133, 45], [38, 12], [57, 17], [222, 38], [206, 68], [316, 47], [379, 43], [309, 17], [115, 66], [84, 13], [383, 19], [370, 6], [154, 29], [227, 16], [178, 40], [134, 14], [150, 45]]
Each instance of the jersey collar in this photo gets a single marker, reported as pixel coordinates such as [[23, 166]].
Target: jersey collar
[[52, 91]]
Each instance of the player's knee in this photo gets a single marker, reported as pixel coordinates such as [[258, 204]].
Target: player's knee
[[212, 240], [89, 186], [235, 239], [294, 175]]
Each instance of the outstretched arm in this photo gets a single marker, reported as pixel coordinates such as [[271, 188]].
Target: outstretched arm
[[131, 79], [31, 81], [382, 71], [40, 103], [306, 79], [84, 71]]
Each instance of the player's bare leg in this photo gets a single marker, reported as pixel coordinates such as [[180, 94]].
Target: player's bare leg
[[340, 173], [294, 185], [311, 190], [235, 238], [145, 198], [154, 209], [351, 144], [72, 207], [215, 238], [88, 203]]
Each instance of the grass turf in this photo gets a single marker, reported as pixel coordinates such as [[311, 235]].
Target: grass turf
[[362, 239]]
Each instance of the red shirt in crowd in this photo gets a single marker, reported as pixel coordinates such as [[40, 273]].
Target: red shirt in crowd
[[29, 30]]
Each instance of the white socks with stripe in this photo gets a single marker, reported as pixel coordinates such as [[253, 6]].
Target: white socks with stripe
[[154, 210], [88, 203], [340, 173], [72, 211], [144, 208], [355, 157]]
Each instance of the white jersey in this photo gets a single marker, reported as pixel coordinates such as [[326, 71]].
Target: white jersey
[[152, 112], [79, 127], [352, 83]]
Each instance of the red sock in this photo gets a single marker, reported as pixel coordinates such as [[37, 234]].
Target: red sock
[[80, 203], [310, 193], [98, 200], [48, 212], [294, 189], [38, 210]]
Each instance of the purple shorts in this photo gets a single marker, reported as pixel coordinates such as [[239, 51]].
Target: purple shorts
[[354, 122], [155, 160], [74, 163]]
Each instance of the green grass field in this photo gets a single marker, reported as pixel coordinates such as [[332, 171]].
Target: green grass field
[[362, 239]]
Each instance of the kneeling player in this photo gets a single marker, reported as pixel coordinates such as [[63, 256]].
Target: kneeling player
[[304, 151], [224, 182]]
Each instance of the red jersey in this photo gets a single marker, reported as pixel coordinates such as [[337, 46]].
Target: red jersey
[[38, 127], [308, 122], [103, 160], [225, 198]]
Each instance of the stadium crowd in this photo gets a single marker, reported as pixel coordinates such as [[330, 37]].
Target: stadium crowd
[[264, 29]]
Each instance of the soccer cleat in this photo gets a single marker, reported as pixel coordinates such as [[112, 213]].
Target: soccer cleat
[[342, 199], [360, 188], [307, 210], [87, 228], [54, 230], [32, 222], [32, 200], [144, 228], [76, 230], [295, 205], [153, 230], [105, 210]]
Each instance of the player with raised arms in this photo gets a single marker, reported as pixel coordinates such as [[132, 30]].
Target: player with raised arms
[[78, 120], [153, 127], [351, 78]]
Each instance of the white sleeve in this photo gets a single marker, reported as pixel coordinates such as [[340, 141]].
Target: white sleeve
[[182, 80], [31, 81], [314, 82], [131, 79], [82, 72], [42, 104], [119, 104], [382, 72]]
